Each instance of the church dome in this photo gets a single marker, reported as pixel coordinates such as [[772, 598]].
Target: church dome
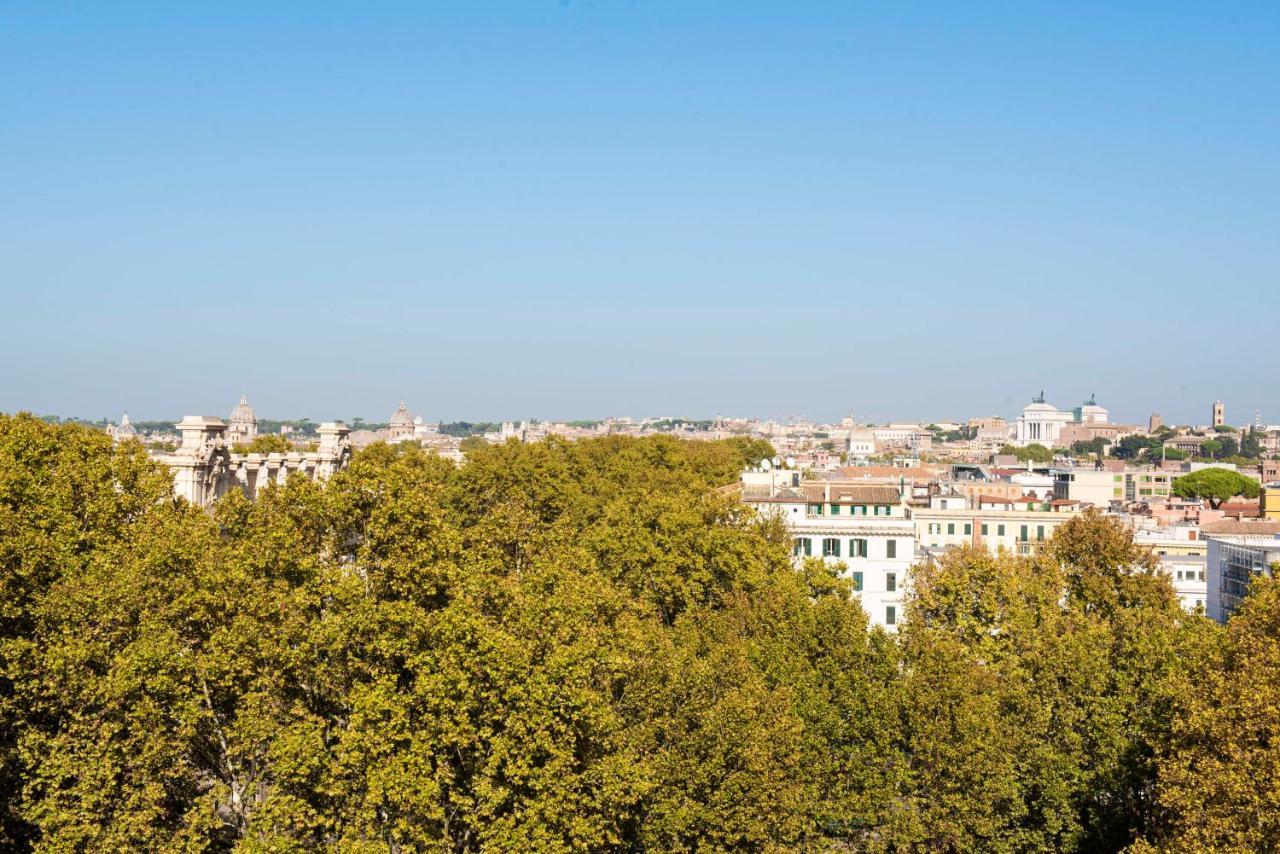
[[402, 418], [126, 429], [243, 413]]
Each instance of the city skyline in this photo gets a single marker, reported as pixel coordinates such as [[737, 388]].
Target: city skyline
[[1233, 417]]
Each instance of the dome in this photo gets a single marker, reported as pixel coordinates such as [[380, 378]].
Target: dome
[[402, 418], [243, 413], [125, 429]]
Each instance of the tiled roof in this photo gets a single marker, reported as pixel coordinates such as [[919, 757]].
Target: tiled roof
[[1239, 526], [850, 493]]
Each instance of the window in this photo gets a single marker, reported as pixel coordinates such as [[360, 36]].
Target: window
[[804, 546], [857, 581], [1039, 532], [891, 548], [891, 581], [1023, 534], [935, 527], [835, 509], [830, 547], [858, 548], [951, 527], [815, 509], [984, 529], [999, 530], [890, 615], [968, 529]]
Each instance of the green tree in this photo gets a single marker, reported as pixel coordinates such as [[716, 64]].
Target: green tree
[[264, 443], [1215, 485], [1034, 452], [1220, 774], [1211, 448]]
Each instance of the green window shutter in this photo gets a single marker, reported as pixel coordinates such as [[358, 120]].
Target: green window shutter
[[857, 581], [891, 548]]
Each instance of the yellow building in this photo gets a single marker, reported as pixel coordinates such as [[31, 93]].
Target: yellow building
[[1271, 501]]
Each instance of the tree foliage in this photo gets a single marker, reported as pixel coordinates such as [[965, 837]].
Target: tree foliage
[[1035, 452], [264, 443], [579, 646], [1215, 485]]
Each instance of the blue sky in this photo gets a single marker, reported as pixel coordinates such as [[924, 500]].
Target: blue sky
[[574, 209]]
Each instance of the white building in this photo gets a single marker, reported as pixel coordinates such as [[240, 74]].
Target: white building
[[125, 430], [1016, 525], [243, 424], [866, 528], [862, 443], [1040, 423], [1237, 552], [204, 469]]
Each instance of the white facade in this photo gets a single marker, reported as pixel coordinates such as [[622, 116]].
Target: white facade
[[204, 469], [865, 528], [1040, 423], [1015, 531], [1231, 564], [862, 443], [243, 425]]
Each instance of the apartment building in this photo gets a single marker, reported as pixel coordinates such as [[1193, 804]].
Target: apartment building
[[1100, 487], [864, 527], [1237, 552], [1019, 527]]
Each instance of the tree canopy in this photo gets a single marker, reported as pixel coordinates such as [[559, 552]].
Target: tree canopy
[[1215, 485], [1035, 452], [586, 646], [264, 443]]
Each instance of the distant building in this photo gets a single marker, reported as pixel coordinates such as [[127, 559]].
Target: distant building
[[125, 429], [204, 468], [862, 443], [1155, 422], [1271, 501], [401, 427], [1039, 424], [1219, 414], [243, 424], [1100, 487], [1238, 552]]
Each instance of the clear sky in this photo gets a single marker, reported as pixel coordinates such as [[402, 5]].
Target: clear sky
[[572, 209]]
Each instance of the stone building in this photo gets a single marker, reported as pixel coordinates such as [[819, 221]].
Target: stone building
[[243, 425], [204, 469], [401, 427]]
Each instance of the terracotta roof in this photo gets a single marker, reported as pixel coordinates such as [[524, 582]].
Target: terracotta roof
[[850, 493], [1062, 502], [993, 499], [1239, 526]]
